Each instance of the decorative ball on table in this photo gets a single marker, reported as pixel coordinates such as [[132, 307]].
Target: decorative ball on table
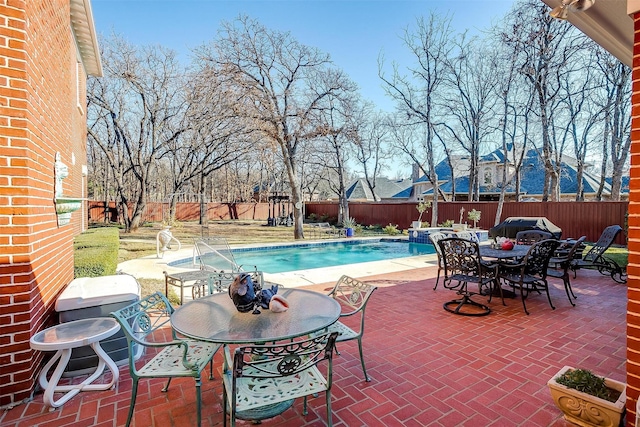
[[507, 245]]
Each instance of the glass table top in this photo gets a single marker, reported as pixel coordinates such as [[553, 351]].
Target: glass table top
[[214, 318]]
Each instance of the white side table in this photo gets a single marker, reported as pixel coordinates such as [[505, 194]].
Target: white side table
[[63, 338]]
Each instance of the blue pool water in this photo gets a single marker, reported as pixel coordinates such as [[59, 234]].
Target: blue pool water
[[291, 258]]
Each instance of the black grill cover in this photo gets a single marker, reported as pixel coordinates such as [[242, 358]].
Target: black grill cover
[[510, 227]]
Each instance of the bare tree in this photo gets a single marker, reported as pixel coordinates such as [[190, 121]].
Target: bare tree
[[415, 93], [617, 135], [546, 49], [280, 84], [334, 147], [468, 100], [370, 138], [133, 112]]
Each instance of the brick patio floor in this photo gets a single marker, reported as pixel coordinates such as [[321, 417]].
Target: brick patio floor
[[428, 367]]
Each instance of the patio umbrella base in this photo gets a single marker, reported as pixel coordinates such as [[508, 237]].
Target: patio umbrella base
[[465, 306]]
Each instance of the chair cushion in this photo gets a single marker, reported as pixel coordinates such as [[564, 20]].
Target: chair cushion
[[168, 362]]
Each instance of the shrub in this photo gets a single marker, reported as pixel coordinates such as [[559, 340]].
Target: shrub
[[587, 382], [96, 252], [313, 217], [349, 222], [391, 230], [447, 223]]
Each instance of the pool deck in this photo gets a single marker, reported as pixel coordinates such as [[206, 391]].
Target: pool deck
[[428, 367], [152, 267]]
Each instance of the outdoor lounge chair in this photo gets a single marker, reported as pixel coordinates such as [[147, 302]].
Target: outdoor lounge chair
[[176, 358], [594, 259], [322, 229]]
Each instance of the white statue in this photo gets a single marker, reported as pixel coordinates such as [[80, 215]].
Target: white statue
[[61, 172], [163, 240]]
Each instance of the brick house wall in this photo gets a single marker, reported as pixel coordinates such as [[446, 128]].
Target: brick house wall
[[42, 112], [633, 269]]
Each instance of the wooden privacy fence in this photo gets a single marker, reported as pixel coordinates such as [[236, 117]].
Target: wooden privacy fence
[[156, 212], [574, 218]]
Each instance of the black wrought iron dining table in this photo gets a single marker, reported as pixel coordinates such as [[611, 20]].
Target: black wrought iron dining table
[[214, 318], [518, 251]]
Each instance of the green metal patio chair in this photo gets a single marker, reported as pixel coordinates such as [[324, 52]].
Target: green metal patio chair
[[353, 295], [176, 358], [262, 381]]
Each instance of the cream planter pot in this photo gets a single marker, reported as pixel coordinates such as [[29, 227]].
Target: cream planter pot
[[586, 410]]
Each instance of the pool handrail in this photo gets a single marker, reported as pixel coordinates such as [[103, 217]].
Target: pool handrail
[[198, 253]]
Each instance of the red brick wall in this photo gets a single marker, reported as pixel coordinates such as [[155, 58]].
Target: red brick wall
[[633, 283], [39, 116]]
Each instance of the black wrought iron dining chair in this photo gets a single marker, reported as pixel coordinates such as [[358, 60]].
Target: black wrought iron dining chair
[[175, 358], [462, 265], [560, 264], [262, 381], [595, 259], [530, 274], [529, 237], [353, 296], [435, 238]]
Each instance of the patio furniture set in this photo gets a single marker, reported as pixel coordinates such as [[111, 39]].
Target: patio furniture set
[[270, 358], [524, 267]]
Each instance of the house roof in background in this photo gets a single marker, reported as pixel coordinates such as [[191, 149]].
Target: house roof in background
[[532, 177], [385, 188]]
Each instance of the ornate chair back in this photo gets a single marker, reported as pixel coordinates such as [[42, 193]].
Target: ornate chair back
[[536, 262], [260, 379], [435, 238], [529, 237], [461, 258], [175, 358]]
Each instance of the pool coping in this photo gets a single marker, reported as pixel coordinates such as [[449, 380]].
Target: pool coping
[[152, 267]]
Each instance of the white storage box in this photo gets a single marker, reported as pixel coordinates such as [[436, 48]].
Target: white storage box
[[87, 297]]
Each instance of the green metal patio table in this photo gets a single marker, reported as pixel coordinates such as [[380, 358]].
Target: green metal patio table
[[215, 319]]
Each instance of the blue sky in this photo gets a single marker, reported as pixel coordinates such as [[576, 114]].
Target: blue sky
[[353, 32]]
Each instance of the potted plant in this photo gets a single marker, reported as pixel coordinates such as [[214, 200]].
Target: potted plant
[[587, 399], [474, 216], [349, 224], [421, 207]]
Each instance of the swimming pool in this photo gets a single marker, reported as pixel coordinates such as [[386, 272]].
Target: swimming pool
[[285, 258]]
